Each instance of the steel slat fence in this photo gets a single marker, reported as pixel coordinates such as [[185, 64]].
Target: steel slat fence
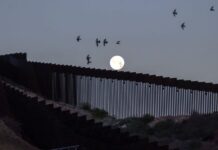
[[124, 98]]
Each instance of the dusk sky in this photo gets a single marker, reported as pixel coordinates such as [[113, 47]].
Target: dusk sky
[[152, 40]]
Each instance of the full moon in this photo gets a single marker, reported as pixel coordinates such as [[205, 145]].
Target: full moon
[[117, 62]]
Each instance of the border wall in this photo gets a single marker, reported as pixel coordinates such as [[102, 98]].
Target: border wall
[[121, 94]]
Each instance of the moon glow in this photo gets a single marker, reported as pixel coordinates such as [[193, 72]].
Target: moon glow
[[117, 62]]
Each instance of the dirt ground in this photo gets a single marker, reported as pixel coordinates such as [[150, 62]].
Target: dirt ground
[[10, 141]]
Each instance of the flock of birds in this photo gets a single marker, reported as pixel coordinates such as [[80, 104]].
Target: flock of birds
[[175, 13], [97, 42], [105, 41]]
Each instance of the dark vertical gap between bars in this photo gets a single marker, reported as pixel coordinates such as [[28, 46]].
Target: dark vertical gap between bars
[[66, 88], [74, 90]]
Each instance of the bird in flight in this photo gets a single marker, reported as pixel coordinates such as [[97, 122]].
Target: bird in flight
[[118, 42], [78, 38], [212, 8], [105, 42], [97, 42], [183, 26], [175, 13], [88, 59]]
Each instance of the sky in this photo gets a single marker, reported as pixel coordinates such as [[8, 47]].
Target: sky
[[152, 41]]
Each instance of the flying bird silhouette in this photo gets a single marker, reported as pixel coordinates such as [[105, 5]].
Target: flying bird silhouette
[[175, 13], [183, 26], [88, 59], [118, 42], [78, 38], [97, 42], [105, 42], [212, 8]]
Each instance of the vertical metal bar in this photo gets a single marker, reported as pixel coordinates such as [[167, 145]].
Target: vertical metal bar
[[127, 98], [159, 100], [62, 87], [54, 88], [214, 101], [140, 100], [155, 100], [173, 90], [143, 98]]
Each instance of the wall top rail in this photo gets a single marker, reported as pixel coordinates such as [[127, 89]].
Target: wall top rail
[[14, 55]]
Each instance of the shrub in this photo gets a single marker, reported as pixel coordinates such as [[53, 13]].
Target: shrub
[[142, 120], [164, 128], [86, 106], [138, 125], [198, 126], [147, 119], [99, 113]]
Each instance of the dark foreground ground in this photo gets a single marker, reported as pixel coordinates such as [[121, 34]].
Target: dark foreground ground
[[9, 140]]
